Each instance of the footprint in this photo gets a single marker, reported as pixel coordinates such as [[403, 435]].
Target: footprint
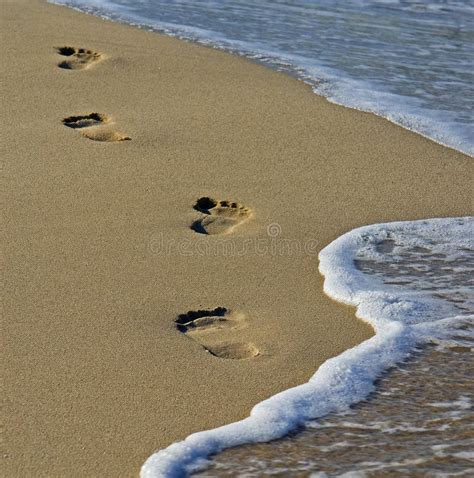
[[220, 217], [85, 121], [78, 58], [211, 328], [94, 127], [235, 351], [105, 134]]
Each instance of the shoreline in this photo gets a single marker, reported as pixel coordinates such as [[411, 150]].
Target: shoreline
[[98, 377], [400, 398], [405, 318], [279, 66]]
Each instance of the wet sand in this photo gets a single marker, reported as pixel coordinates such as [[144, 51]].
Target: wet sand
[[106, 151]]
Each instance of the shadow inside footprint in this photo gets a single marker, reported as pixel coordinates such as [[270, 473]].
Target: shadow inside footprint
[[210, 327], [220, 216], [86, 121], [95, 126], [197, 318], [66, 50], [78, 58]]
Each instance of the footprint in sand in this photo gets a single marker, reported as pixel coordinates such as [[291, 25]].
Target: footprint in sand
[[95, 126], [214, 330], [78, 58], [220, 217]]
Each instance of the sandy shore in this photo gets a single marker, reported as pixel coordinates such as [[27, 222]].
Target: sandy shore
[[100, 258]]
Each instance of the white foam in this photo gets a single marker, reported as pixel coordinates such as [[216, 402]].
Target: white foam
[[464, 403], [403, 316], [422, 81], [466, 455]]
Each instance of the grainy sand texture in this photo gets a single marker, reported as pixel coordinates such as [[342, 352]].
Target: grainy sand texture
[[148, 181]]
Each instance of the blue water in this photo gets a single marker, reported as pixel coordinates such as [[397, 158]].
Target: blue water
[[408, 61]]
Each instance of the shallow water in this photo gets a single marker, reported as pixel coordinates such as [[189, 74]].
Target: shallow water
[[419, 423], [407, 60], [413, 281]]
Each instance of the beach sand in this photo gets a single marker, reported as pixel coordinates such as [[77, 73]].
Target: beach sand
[[100, 256]]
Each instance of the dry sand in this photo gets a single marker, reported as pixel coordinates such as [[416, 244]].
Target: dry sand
[[97, 376]]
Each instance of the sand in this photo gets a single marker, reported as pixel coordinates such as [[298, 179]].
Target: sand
[[100, 252]]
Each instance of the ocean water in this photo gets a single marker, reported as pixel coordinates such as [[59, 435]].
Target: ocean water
[[410, 61], [413, 282], [419, 423]]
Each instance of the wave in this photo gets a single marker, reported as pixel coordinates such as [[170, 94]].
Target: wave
[[405, 61], [411, 281]]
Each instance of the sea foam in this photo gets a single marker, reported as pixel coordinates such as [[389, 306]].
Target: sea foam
[[412, 281], [404, 60]]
